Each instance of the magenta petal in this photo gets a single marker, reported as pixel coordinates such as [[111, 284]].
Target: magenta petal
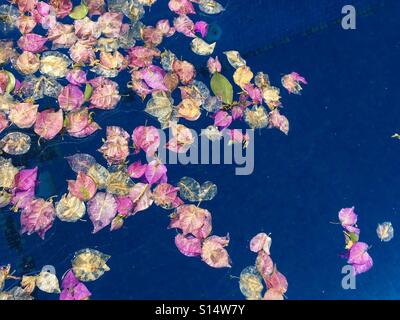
[[22, 199], [76, 77], [154, 77], [155, 171], [81, 292], [69, 280], [26, 179], [137, 169], [201, 27], [146, 138], [189, 245], [32, 42], [73, 289], [361, 268], [358, 254], [222, 119], [124, 206]]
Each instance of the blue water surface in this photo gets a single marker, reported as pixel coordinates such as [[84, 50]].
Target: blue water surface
[[339, 153]]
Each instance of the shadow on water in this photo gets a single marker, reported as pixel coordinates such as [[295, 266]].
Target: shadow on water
[[214, 32]]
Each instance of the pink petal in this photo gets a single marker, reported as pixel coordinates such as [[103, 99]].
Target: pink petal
[[22, 199], [102, 209], [146, 138], [347, 217], [214, 65], [70, 98], [222, 119], [192, 220], [213, 252], [166, 196], [277, 281], [49, 123], [154, 77], [141, 197], [37, 217], [183, 24], [189, 245], [26, 179], [264, 263], [261, 242], [155, 170], [76, 77], [84, 188], [124, 206], [181, 7], [32, 42], [137, 169], [201, 27]]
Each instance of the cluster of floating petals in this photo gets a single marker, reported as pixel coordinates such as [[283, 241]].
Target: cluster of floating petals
[[357, 252], [87, 265], [72, 65], [37, 214], [195, 240], [252, 277]]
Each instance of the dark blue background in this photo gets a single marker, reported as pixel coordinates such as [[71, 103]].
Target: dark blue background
[[339, 153]]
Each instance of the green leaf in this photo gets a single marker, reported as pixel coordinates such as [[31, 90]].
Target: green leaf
[[354, 237], [79, 12], [11, 82], [88, 92], [222, 88]]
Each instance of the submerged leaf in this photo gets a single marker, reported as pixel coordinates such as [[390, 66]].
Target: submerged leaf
[[251, 284], [48, 282], [70, 208], [119, 183], [81, 162], [15, 143], [208, 191], [89, 264], [189, 189]]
